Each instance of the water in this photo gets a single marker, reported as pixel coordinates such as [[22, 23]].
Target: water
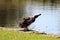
[[49, 21]]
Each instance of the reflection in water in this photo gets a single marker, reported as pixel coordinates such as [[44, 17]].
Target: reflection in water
[[49, 22]]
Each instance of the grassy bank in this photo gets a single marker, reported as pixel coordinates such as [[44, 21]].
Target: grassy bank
[[15, 35]]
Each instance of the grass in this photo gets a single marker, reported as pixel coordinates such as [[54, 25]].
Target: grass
[[15, 35]]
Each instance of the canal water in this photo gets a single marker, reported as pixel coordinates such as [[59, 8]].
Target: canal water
[[49, 21]]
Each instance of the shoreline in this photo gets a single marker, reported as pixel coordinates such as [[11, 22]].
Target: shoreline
[[38, 33]]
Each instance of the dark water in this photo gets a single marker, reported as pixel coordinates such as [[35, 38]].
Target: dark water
[[49, 21]]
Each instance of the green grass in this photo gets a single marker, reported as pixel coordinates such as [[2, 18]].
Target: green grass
[[15, 35]]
